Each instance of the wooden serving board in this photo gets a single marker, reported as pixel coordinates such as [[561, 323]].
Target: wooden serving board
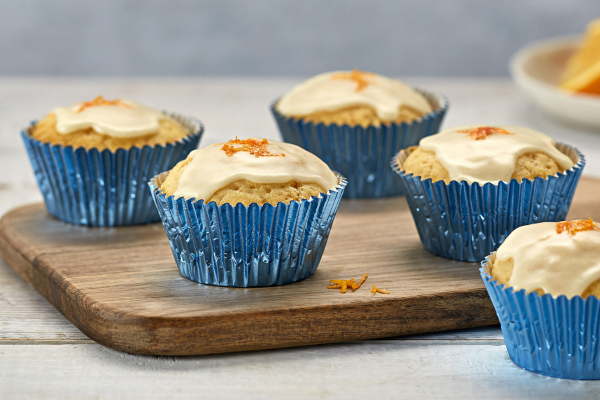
[[121, 287]]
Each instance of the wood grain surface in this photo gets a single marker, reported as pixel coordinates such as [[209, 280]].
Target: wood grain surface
[[121, 286]]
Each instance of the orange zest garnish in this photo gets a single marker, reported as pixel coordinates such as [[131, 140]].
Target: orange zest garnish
[[357, 76], [578, 225], [257, 148], [375, 290], [482, 132], [101, 101]]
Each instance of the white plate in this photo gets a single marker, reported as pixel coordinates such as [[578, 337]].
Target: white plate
[[538, 68]]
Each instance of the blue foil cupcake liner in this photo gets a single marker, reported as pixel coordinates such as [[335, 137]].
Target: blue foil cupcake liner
[[247, 246], [467, 222], [553, 336], [104, 188], [362, 154]]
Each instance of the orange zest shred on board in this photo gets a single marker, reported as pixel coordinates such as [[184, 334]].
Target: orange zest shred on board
[[257, 148], [344, 284], [360, 282], [357, 76], [578, 225], [376, 290], [482, 132], [101, 101]]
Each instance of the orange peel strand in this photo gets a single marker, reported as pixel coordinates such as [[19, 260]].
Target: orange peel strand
[[357, 76], [360, 282], [376, 290], [578, 225], [101, 101], [344, 286], [482, 132]]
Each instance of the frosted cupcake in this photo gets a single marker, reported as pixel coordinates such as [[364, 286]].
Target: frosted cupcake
[[355, 122], [249, 212], [544, 282], [469, 187], [92, 159]]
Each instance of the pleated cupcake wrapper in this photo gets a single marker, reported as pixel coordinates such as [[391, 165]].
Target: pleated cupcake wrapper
[[467, 222], [105, 188], [553, 336], [362, 154], [247, 246]]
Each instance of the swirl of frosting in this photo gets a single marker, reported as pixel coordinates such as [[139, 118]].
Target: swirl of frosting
[[332, 91], [564, 263], [117, 118], [257, 160], [489, 154]]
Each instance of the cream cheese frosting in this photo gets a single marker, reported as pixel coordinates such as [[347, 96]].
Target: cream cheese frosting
[[558, 263], [490, 159], [332, 91], [117, 118], [211, 168]]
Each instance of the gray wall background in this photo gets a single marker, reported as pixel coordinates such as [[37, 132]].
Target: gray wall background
[[276, 37]]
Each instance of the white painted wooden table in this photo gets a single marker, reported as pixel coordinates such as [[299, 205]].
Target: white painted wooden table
[[43, 356]]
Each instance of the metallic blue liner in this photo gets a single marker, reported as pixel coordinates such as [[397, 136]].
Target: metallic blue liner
[[247, 246], [104, 188], [362, 154], [553, 336], [467, 222]]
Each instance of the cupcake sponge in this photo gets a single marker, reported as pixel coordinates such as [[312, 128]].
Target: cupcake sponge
[[528, 166], [45, 131], [364, 116], [502, 271], [246, 192]]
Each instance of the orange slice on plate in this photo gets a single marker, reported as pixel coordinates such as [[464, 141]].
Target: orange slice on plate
[[583, 69]]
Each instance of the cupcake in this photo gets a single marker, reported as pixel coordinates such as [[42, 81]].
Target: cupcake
[[544, 282], [92, 159], [355, 122], [469, 187], [248, 212]]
